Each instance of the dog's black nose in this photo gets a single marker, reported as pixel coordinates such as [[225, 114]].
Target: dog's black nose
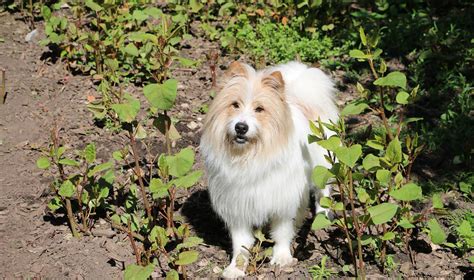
[[241, 128]]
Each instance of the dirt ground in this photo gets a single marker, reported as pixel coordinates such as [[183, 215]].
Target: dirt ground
[[33, 245]]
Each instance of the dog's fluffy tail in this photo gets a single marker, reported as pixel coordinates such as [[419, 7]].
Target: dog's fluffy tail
[[309, 89]]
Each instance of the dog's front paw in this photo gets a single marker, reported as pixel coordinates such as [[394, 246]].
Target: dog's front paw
[[283, 259], [233, 272]]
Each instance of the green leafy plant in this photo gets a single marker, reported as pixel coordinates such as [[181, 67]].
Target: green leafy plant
[[82, 185], [373, 186], [319, 272], [257, 254]]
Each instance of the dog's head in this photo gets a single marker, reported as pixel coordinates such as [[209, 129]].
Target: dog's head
[[249, 116]]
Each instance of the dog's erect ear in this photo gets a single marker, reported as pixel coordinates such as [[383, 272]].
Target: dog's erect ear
[[235, 69], [275, 81]]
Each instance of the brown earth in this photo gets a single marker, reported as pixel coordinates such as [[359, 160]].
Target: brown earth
[[41, 94]]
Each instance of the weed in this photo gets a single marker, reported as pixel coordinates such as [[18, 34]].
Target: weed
[[319, 272]]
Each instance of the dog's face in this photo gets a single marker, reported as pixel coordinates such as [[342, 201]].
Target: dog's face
[[249, 115]]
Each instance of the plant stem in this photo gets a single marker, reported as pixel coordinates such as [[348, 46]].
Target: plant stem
[[134, 245], [69, 213], [382, 105], [172, 190], [146, 203], [2, 87], [357, 227], [346, 227]]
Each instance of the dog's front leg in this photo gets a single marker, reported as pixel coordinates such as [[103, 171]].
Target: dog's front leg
[[283, 231], [242, 238]]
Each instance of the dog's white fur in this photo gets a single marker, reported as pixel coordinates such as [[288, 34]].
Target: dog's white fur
[[268, 178]]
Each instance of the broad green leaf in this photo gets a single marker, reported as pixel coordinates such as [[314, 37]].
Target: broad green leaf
[[158, 188], [375, 145], [405, 223], [465, 188], [131, 49], [358, 54], [394, 151], [161, 96], [331, 144], [354, 109], [320, 222], [402, 97], [349, 155], [139, 16], [172, 275], [195, 5], [382, 213], [370, 161], [393, 79], [43, 163], [104, 192], [320, 176], [187, 257], [67, 189], [437, 234], [93, 5], [153, 12], [100, 168], [465, 230], [383, 176], [136, 272], [362, 195], [46, 12], [189, 242], [188, 180], [181, 163], [362, 36], [367, 240], [326, 202], [90, 153], [388, 236], [143, 37], [117, 155], [128, 110], [69, 162], [158, 235], [437, 201], [54, 204], [407, 192]]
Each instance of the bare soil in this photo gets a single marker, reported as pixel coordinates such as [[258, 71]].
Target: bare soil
[[41, 94]]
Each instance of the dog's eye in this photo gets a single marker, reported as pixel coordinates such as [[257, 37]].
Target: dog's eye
[[259, 109], [235, 105]]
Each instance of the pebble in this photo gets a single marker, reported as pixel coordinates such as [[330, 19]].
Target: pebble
[[217, 270], [192, 125], [31, 36], [104, 232]]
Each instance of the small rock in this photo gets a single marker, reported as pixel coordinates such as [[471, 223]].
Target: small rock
[[203, 262], [31, 36], [104, 232], [217, 270], [185, 105], [192, 125]]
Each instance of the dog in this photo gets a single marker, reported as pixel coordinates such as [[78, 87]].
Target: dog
[[256, 153]]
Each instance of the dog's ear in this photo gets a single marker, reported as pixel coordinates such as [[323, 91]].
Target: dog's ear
[[235, 69], [275, 81]]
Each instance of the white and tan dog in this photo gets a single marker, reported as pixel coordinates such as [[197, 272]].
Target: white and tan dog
[[256, 152]]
